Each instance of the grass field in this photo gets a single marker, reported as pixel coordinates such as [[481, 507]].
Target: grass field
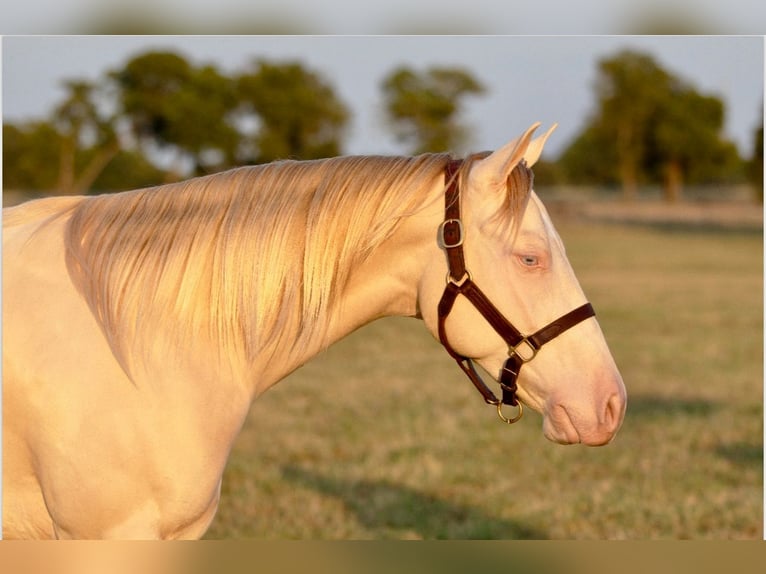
[[383, 437]]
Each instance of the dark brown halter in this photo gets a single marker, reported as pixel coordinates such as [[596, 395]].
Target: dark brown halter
[[459, 282]]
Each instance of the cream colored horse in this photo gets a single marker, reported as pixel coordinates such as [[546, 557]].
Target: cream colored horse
[[139, 327]]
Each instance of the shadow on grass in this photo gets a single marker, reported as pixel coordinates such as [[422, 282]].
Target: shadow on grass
[[384, 507], [742, 453], [641, 406]]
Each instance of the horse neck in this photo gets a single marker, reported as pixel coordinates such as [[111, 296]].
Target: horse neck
[[384, 285]]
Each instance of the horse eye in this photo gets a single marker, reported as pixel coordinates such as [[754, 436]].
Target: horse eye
[[529, 260]]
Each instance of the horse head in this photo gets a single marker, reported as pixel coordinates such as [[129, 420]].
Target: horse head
[[522, 313]]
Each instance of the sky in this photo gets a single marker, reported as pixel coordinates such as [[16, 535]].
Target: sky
[[390, 17], [528, 78]]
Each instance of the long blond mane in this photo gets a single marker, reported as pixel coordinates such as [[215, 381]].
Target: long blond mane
[[246, 257]]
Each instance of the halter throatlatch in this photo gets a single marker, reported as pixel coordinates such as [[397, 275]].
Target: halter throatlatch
[[521, 348]]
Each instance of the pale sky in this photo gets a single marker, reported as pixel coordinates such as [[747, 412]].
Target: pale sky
[[392, 16], [528, 78]]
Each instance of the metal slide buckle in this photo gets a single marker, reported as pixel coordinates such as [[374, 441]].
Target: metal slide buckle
[[514, 350], [459, 282], [443, 241]]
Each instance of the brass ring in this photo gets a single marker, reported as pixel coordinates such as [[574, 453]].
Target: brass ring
[[506, 419]]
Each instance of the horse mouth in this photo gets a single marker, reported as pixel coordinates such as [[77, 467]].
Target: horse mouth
[[565, 427]]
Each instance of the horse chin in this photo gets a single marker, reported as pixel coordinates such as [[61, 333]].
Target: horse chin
[[558, 433]]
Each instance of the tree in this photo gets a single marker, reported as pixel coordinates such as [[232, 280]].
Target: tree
[[173, 105], [591, 159], [423, 108], [297, 113], [650, 125], [129, 169], [685, 140], [83, 126], [755, 165], [30, 156], [629, 88], [162, 106]]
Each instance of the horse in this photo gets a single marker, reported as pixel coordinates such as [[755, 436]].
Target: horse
[[140, 326]]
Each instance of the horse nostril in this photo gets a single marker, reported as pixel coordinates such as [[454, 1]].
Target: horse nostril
[[614, 412]]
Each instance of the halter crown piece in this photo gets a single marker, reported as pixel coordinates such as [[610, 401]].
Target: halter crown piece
[[521, 348]]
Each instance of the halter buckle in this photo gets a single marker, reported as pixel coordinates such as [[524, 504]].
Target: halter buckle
[[443, 240], [514, 350]]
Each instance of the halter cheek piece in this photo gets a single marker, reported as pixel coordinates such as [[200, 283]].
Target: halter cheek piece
[[521, 348]]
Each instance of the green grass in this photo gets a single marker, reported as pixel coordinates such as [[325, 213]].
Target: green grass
[[383, 437]]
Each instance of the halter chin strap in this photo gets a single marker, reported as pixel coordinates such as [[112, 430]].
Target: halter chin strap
[[521, 348]]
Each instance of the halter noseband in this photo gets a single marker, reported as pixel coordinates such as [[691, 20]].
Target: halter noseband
[[521, 348]]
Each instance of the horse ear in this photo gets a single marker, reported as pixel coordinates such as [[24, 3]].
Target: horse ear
[[493, 170], [536, 147]]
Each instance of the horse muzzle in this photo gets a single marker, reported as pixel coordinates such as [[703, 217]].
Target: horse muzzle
[[575, 424]]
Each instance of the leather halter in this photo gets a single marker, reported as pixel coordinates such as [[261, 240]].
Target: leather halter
[[521, 348]]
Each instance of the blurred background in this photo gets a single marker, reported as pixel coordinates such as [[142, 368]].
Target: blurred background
[[654, 179], [392, 17], [108, 113]]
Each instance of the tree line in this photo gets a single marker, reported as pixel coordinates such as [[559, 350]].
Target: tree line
[[159, 118], [650, 127]]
